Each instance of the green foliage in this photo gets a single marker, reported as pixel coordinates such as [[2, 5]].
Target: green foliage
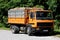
[[1, 25], [39, 6], [57, 26]]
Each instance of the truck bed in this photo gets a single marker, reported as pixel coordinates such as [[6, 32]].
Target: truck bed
[[16, 16]]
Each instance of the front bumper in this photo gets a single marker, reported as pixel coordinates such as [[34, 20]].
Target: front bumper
[[42, 30]]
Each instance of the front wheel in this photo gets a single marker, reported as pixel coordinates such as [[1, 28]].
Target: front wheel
[[29, 31]]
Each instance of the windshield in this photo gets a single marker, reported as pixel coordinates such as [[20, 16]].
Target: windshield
[[43, 15]]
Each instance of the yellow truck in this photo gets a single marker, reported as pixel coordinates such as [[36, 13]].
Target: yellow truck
[[30, 20]]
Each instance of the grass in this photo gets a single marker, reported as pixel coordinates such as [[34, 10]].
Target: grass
[[57, 31], [4, 28], [58, 35]]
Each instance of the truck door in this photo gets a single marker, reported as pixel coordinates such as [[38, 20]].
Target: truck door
[[31, 18]]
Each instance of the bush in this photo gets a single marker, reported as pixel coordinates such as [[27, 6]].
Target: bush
[[2, 25], [57, 25]]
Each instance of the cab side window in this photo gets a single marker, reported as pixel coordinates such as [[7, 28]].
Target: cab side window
[[31, 15]]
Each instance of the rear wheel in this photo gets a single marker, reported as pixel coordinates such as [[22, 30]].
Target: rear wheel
[[14, 29]]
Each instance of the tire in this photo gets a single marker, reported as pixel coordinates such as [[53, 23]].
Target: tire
[[29, 31], [14, 29]]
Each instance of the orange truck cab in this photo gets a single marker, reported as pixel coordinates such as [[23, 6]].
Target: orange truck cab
[[30, 20]]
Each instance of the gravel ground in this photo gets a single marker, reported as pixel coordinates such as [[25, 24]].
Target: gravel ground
[[8, 35]]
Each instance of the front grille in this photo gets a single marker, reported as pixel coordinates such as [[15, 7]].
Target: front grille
[[44, 24]]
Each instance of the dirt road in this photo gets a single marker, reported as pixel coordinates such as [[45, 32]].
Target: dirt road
[[8, 35]]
